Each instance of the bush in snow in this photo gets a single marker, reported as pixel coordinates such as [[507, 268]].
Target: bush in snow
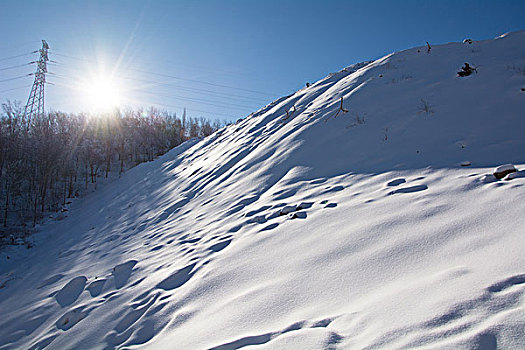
[[425, 107], [517, 68], [358, 121], [466, 70]]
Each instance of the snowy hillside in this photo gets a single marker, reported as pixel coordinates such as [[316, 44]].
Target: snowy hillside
[[305, 225]]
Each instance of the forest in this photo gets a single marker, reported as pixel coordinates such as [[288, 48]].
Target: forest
[[50, 159]]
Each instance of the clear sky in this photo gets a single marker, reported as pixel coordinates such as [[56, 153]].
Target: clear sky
[[219, 59]]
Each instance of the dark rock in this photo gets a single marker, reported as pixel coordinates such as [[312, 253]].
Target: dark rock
[[503, 170]]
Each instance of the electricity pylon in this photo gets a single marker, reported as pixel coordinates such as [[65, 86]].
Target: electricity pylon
[[35, 102]]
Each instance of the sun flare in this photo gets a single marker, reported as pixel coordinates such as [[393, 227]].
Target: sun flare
[[102, 94]]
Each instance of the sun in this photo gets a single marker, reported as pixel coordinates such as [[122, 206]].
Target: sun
[[102, 94]]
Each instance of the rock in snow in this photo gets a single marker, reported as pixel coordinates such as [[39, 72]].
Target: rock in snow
[[501, 171]]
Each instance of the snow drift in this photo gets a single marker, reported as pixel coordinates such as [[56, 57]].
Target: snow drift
[[338, 217]]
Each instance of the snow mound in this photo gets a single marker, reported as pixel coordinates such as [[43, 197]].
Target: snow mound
[[336, 217]]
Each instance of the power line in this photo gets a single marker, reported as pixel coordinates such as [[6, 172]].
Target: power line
[[179, 78], [67, 56], [201, 101], [187, 98], [219, 95], [16, 47], [209, 92], [15, 78], [168, 106], [157, 61], [16, 88], [17, 66], [16, 56], [204, 82], [193, 98], [187, 88], [194, 110], [182, 98], [212, 93]]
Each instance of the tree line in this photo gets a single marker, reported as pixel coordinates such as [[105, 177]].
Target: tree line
[[56, 156]]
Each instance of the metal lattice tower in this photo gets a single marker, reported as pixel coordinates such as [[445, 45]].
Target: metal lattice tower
[[35, 102]]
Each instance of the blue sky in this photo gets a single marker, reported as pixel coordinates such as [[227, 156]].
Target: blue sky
[[220, 59]]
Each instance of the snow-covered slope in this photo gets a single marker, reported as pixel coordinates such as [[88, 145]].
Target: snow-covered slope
[[310, 229]]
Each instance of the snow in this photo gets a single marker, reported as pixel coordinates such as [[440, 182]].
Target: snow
[[394, 244], [514, 175]]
